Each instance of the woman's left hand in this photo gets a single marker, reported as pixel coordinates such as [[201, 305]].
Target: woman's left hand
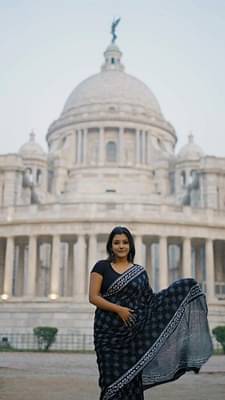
[[127, 315]]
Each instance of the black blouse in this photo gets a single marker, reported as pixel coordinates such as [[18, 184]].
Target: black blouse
[[104, 268]]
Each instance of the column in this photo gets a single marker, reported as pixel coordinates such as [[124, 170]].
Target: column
[[137, 147], [80, 267], [138, 250], [20, 284], [79, 147], [148, 147], [187, 270], [9, 260], [85, 147], [2, 264], [163, 263], [32, 266], [92, 251], [121, 142], [55, 267], [63, 270], [210, 279], [70, 268], [76, 147], [101, 146], [143, 147], [149, 259], [198, 272]]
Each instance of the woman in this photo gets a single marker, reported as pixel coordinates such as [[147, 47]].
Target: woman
[[143, 338]]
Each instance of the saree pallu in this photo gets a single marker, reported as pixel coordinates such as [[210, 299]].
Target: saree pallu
[[169, 335]]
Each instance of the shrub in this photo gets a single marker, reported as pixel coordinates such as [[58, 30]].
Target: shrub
[[46, 335], [219, 333], [4, 343]]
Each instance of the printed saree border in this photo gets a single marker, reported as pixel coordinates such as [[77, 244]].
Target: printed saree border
[[124, 279]]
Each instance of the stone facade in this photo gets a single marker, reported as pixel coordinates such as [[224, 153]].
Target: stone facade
[[111, 161]]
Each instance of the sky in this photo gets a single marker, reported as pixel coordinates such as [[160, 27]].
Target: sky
[[47, 47]]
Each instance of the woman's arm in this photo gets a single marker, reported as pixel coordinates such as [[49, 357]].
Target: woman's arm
[[96, 298]]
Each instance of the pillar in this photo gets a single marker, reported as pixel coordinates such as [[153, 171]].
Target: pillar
[[2, 264], [137, 147], [21, 262], [70, 268], [32, 266], [210, 277], [186, 259], [9, 261], [163, 263], [85, 146], [138, 250], [121, 142], [143, 147], [149, 259], [76, 147], [101, 146], [198, 274], [92, 251], [80, 267], [79, 157], [55, 267], [149, 147]]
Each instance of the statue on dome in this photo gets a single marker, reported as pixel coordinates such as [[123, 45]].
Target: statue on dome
[[113, 29]]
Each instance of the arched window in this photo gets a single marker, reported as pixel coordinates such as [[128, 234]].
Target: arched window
[[28, 177], [183, 178], [194, 179], [172, 182], [111, 152], [193, 174], [38, 176]]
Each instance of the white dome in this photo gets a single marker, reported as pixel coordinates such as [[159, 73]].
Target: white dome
[[111, 95], [112, 85], [31, 149], [190, 151]]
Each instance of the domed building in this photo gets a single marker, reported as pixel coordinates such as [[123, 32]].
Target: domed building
[[111, 161]]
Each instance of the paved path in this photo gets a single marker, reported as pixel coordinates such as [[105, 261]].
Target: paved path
[[54, 376]]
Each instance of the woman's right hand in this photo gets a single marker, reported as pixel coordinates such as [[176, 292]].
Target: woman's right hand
[[127, 315]]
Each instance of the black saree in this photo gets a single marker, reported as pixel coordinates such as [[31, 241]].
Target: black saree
[[169, 336]]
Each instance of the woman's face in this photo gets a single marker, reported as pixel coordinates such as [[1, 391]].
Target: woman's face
[[120, 246]]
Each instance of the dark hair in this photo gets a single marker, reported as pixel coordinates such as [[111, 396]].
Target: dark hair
[[119, 230]]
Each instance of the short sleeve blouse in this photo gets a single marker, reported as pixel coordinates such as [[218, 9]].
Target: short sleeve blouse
[[104, 268]]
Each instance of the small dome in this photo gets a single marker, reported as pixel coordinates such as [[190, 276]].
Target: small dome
[[112, 58], [31, 149], [190, 151]]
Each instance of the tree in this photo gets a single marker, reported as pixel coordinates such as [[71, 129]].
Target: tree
[[219, 333], [46, 335]]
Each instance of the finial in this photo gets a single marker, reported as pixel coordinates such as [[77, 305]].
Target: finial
[[32, 136], [113, 29], [190, 138]]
